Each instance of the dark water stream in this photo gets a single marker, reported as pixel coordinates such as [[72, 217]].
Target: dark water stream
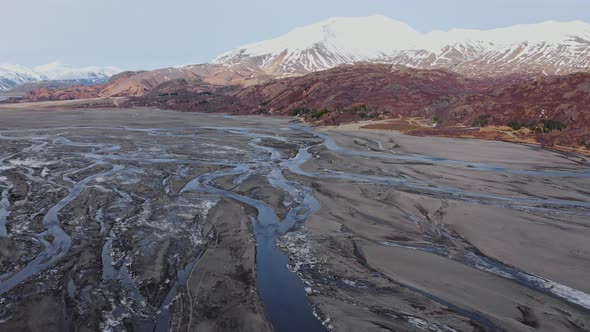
[[281, 291]]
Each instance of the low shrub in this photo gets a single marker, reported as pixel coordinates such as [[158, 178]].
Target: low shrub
[[318, 114], [550, 125], [481, 121], [300, 111], [516, 125]]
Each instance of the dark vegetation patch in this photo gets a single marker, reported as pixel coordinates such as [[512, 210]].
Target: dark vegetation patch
[[481, 121]]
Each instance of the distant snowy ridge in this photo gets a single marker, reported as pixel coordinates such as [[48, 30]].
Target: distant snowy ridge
[[550, 47], [14, 75]]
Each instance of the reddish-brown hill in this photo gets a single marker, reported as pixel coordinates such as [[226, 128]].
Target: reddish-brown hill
[[370, 89], [362, 92], [373, 91]]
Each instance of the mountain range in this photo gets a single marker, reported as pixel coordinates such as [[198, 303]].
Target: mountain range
[[541, 49], [548, 48], [12, 76]]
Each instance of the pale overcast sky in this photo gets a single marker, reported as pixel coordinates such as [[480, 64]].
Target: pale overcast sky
[[147, 34]]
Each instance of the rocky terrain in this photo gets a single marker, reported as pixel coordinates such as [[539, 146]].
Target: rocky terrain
[[150, 220], [111, 227]]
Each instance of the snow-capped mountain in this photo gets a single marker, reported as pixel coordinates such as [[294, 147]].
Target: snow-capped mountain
[[544, 48], [11, 76], [549, 47], [14, 75]]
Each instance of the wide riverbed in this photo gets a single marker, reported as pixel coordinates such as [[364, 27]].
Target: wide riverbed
[[153, 220]]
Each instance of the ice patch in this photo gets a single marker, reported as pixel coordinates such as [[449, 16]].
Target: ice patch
[[32, 163], [562, 291], [349, 282], [429, 326], [298, 247]]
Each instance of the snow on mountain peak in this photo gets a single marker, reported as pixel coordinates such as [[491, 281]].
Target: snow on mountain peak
[[58, 71], [338, 34], [551, 45], [14, 75]]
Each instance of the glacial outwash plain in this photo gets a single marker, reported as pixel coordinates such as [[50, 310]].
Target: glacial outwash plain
[[355, 174], [150, 220]]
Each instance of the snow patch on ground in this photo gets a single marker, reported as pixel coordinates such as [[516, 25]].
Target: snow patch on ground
[[45, 172], [429, 326], [298, 246], [29, 162], [559, 290]]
